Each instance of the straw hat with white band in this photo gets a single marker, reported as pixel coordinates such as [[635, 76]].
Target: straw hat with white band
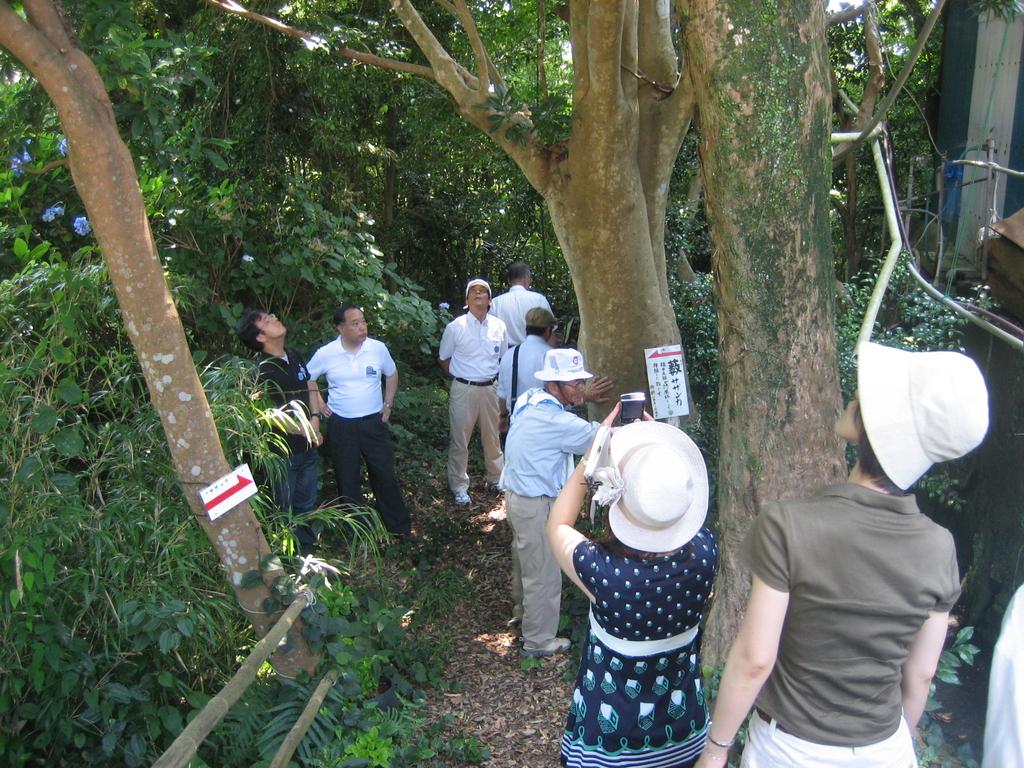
[[653, 480]]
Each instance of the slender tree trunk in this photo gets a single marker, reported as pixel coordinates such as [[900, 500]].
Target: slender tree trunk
[[763, 95], [105, 177]]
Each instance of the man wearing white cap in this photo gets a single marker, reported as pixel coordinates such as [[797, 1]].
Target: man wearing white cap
[[541, 443], [471, 349]]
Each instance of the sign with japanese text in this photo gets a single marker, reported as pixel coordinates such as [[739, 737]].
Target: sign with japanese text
[[666, 377], [227, 493]]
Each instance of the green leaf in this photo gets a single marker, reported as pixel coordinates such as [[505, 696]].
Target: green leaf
[[14, 597], [68, 442], [20, 248], [166, 679], [249, 580], [44, 420], [61, 354], [69, 391]]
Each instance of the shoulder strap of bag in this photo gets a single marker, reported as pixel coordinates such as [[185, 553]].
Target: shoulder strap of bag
[[515, 373]]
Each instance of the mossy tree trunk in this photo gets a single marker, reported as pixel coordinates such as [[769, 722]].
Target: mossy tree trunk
[[105, 177], [764, 101]]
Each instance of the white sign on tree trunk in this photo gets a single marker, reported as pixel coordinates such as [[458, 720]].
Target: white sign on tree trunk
[[228, 492], [666, 377]]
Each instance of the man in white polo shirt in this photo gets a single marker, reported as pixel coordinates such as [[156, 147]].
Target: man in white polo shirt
[[357, 429], [511, 307], [471, 348]]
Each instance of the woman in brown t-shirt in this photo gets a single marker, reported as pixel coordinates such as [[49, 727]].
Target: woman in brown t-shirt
[[852, 587]]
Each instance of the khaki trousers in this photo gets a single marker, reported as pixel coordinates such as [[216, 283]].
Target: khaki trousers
[[468, 406], [539, 587]]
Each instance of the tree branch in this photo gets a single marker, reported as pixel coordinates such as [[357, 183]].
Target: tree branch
[[845, 15], [44, 17], [483, 61], [604, 46], [314, 41], [890, 97], [46, 168]]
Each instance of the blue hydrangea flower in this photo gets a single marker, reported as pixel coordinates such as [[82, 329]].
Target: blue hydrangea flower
[[51, 213], [443, 305], [63, 146], [81, 225], [247, 257], [18, 159]]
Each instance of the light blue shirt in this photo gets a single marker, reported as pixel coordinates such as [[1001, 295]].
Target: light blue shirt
[[541, 443]]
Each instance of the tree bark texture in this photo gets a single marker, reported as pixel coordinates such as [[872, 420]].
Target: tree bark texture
[[763, 94], [105, 177]]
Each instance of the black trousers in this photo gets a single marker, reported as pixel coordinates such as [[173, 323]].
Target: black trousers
[[353, 441]]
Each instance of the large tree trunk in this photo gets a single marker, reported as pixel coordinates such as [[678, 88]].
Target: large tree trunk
[[607, 199], [763, 95], [105, 177]]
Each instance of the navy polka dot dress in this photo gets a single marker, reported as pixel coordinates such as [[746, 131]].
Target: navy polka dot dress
[[641, 710]]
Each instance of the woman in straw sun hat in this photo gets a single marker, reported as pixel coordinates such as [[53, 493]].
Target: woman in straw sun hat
[[638, 699], [852, 587]]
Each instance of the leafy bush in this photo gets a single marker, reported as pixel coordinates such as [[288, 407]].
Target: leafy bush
[[114, 610]]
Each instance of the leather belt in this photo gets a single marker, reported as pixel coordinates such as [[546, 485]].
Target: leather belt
[[768, 718], [476, 383], [357, 418]]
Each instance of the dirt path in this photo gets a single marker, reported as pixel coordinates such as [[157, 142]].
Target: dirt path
[[516, 710]]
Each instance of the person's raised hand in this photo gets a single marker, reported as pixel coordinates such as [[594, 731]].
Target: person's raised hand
[[596, 390]]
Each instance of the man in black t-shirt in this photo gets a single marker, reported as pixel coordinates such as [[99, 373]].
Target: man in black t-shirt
[[298, 398]]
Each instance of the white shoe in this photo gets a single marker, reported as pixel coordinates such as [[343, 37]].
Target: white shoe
[[461, 498], [558, 645]]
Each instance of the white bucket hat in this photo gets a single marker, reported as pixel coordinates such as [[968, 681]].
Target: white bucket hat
[[919, 408], [562, 365], [653, 480]]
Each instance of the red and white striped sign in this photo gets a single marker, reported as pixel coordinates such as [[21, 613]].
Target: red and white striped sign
[[228, 492]]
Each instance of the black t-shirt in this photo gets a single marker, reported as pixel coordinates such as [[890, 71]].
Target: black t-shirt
[[287, 379]]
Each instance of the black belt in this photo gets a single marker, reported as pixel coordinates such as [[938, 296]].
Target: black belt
[[768, 719], [357, 418], [476, 383]]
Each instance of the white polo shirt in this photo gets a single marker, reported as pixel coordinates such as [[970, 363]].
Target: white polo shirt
[[531, 360], [353, 378], [512, 307], [474, 348]]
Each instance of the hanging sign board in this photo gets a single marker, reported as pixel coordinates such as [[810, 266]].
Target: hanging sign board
[[227, 493], [666, 377]]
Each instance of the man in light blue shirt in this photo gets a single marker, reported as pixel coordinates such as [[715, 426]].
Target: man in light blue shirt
[[541, 443]]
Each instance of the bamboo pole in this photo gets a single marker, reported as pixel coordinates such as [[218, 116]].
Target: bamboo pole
[[184, 747], [291, 741]]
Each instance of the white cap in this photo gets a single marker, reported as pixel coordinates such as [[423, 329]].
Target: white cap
[[562, 365], [919, 408], [478, 281]]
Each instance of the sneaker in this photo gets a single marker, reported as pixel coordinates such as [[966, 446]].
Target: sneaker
[[493, 487], [461, 498], [558, 645], [514, 622]]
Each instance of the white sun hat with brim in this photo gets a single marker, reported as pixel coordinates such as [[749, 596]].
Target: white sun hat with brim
[[655, 484], [562, 365], [919, 408]]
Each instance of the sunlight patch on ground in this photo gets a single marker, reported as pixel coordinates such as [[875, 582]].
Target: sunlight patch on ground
[[496, 642]]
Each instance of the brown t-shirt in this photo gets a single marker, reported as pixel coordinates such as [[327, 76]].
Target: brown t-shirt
[[863, 571]]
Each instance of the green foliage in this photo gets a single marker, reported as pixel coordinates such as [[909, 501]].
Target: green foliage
[[113, 607], [695, 312], [934, 751]]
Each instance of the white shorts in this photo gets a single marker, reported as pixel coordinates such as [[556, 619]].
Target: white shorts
[[768, 747]]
